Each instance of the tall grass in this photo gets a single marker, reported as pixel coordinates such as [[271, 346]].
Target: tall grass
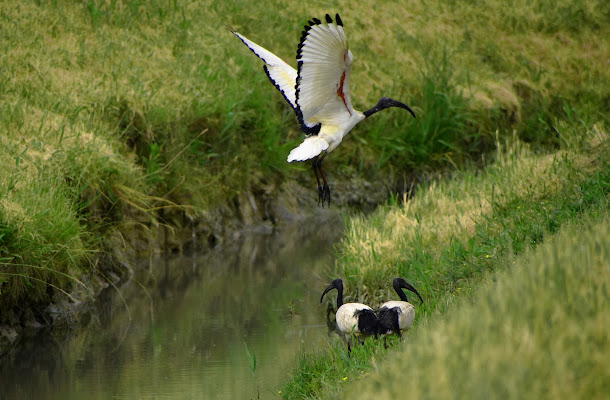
[[43, 245], [455, 226], [535, 330], [453, 233]]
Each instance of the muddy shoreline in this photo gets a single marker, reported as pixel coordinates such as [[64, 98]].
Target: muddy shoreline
[[258, 210]]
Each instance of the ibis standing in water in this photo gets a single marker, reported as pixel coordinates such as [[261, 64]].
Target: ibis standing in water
[[397, 316], [319, 92], [353, 319]]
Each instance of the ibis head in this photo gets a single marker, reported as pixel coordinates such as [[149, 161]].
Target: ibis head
[[386, 102], [399, 284], [336, 284]]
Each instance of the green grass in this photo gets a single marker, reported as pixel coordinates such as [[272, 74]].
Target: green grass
[[115, 110], [535, 330], [512, 83], [452, 234]]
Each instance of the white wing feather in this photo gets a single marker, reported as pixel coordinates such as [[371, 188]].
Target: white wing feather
[[280, 73], [311, 147], [319, 91], [323, 76]]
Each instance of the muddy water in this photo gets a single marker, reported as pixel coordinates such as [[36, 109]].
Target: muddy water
[[183, 326]]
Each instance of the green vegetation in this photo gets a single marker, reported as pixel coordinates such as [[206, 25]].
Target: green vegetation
[[536, 330], [114, 110], [450, 236], [526, 80]]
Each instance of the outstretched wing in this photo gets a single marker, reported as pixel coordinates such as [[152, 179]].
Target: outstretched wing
[[282, 75], [322, 92]]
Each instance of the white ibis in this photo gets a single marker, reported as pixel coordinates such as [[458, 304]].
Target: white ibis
[[397, 316], [319, 92], [353, 319]]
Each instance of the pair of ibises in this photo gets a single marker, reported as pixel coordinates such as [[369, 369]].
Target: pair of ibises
[[318, 92], [361, 321]]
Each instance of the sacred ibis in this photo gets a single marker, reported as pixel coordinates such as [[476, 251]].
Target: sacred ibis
[[319, 91], [353, 319], [397, 316]]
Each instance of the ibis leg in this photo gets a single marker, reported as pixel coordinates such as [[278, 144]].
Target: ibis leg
[[325, 188], [349, 346], [316, 166], [323, 191]]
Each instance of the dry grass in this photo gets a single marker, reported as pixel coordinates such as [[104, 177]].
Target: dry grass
[[447, 211]]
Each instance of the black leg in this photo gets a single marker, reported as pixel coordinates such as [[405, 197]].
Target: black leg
[[316, 166], [326, 188]]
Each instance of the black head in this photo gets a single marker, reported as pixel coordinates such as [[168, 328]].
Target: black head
[[386, 102], [336, 284], [399, 284]]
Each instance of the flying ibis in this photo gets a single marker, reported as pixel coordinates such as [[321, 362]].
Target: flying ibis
[[353, 319], [319, 92], [397, 316]]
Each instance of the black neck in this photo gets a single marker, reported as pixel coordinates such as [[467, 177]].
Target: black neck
[[372, 111], [339, 297], [401, 294]]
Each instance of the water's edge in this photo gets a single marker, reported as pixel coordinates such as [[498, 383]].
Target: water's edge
[[256, 211]]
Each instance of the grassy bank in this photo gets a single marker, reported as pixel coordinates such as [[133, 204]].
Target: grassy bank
[[514, 67], [534, 330], [115, 110], [450, 237]]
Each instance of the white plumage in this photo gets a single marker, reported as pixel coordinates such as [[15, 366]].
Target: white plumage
[[319, 91], [353, 319], [397, 316], [311, 147]]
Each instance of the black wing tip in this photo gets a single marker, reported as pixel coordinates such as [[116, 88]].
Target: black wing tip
[[338, 21], [230, 28]]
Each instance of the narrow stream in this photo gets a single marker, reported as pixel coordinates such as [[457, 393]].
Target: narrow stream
[[179, 329]]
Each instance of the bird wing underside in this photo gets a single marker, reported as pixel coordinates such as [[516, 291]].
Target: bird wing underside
[[282, 75], [322, 92]]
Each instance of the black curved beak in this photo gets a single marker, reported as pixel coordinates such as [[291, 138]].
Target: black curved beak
[[328, 289], [336, 284], [406, 285], [402, 105], [386, 102]]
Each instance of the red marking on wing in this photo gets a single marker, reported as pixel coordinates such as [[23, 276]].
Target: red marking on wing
[[340, 92]]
